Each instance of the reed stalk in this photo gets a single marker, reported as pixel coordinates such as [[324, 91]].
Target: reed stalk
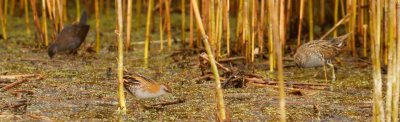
[[218, 28], [107, 8], [51, 5], [353, 21], [245, 41], [148, 36], [60, 14], [211, 26], [282, 27], [183, 24], [378, 109], [335, 16], [36, 20], [12, 7], [138, 14], [310, 19], [52, 12], [361, 18], [300, 22], [343, 10], [121, 95], [78, 9], [322, 12], [396, 85], [253, 31], [274, 15], [220, 97], [261, 27], [44, 20], [191, 33], [28, 30], [128, 25], [168, 21], [3, 22], [65, 14], [226, 25], [239, 27], [162, 27], [272, 57], [98, 26], [365, 44], [5, 11], [391, 78]]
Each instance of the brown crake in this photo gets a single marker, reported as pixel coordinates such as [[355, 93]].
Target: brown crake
[[70, 38]]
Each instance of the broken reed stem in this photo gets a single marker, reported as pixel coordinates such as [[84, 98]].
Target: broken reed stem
[[28, 30], [148, 36], [3, 22], [161, 26], [44, 20], [220, 98], [128, 25], [342, 21], [121, 95], [310, 19], [183, 24], [168, 20], [300, 22], [78, 9], [378, 110], [97, 26]]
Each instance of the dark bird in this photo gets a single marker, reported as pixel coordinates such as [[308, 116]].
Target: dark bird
[[70, 38], [320, 52]]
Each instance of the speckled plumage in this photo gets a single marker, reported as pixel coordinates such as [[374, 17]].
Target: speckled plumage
[[143, 87], [319, 52]]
